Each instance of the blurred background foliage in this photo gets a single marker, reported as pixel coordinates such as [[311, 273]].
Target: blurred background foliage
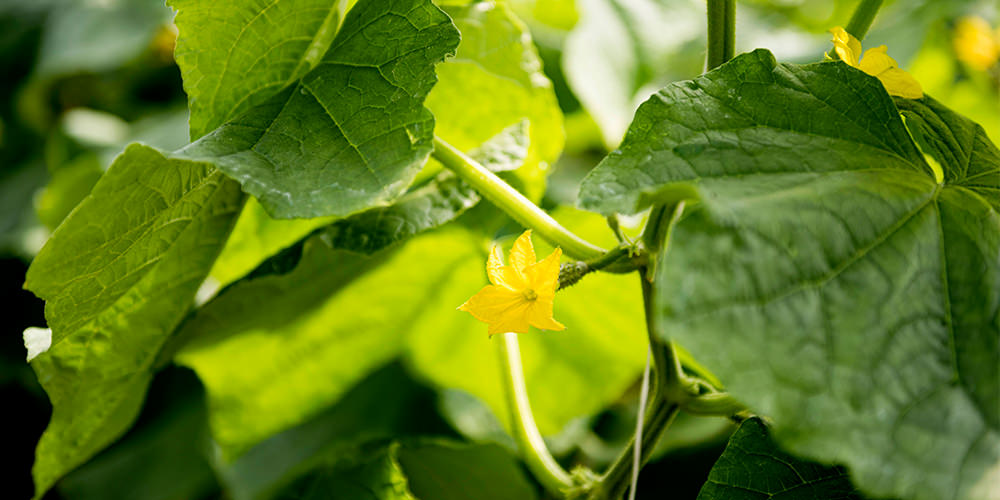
[[82, 78]]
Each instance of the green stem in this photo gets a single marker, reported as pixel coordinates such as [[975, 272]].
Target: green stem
[[863, 17], [721, 32], [714, 403], [512, 202], [529, 441], [613, 262]]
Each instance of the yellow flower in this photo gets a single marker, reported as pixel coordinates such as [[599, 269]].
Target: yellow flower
[[975, 44], [521, 294], [876, 62]]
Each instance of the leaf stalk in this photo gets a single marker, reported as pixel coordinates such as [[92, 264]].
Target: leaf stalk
[[513, 202], [721, 32], [863, 17], [529, 441]]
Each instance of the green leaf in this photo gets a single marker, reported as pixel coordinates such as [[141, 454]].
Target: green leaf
[[293, 330], [117, 277], [387, 404], [233, 57], [371, 475], [957, 141], [751, 117], [430, 206], [824, 275], [352, 132], [443, 470], [164, 457], [426, 469], [497, 68], [257, 236], [753, 467]]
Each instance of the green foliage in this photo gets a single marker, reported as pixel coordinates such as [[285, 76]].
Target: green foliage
[[352, 132], [753, 467], [451, 471], [808, 186], [437, 469], [118, 275], [301, 247]]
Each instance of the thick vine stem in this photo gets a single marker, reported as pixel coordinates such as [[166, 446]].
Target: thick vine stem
[[721, 32], [513, 202], [863, 17], [529, 441]]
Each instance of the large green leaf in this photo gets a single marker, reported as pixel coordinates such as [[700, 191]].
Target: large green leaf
[[117, 276], [337, 317], [443, 470], [754, 468], [387, 404], [825, 275], [522, 128], [236, 55], [352, 132]]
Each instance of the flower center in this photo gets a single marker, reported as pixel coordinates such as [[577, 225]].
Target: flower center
[[529, 294]]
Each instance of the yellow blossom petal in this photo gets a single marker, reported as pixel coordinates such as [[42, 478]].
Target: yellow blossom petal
[[500, 274], [521, 294], [522, 254], [846, 46], [544, 275], [495, 265], [505, 310], [540, 315], [876, 62]]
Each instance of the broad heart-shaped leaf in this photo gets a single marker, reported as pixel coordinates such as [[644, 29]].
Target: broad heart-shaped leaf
[[352, 132], [824, 275], [117, 276], [235, 55], [754, 468]]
